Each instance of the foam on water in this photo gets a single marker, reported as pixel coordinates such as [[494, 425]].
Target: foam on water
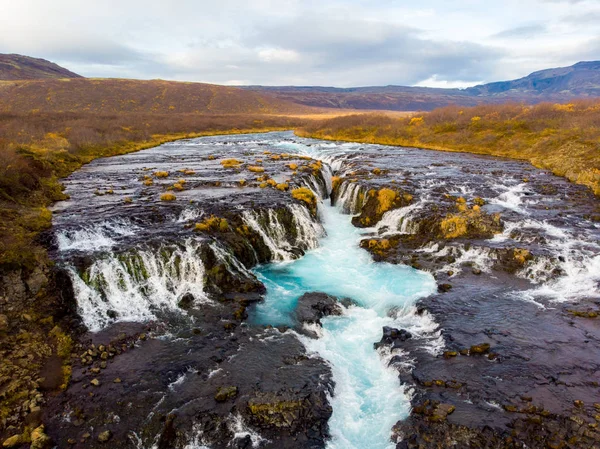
[[368, 398], [135, 286], [101, 236]]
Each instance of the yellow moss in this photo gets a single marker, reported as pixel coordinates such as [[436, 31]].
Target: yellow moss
[[379, 246], [128, 200], [189, 172], [259, 161], [385, 198], [148, 182], [256, 169], [453, 226], [211, 157], [213, 223], [306, 195], [376, 171], [178, 186], [271, 182], [521, 255], [242, 182], [275, 157], [282, 186], [231, 163], [161, 174], [263, 185], [293, 166], [168, 197]]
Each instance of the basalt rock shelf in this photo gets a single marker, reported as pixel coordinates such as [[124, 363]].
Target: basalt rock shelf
[[185, 264]]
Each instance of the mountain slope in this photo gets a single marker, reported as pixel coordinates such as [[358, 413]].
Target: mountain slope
[[19, 67], [109, 96], [581, 80]]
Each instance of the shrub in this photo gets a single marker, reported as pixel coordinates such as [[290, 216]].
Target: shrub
[[306, 195], [212, 223], [453, 226], [231, 163], [168, 196]]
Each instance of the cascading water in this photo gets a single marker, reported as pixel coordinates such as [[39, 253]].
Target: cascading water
[[135, 286], [368, 398], [146, 279]]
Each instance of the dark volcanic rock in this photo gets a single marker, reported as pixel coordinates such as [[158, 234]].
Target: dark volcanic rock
[[314, 306], [392, 337]]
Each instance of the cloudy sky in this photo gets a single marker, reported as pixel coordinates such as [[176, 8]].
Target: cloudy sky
[[437, 43]]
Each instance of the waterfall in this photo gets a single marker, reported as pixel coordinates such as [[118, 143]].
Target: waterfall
[[349, 197], [399, 221], [134, 286], [285, 245], [309, 230]]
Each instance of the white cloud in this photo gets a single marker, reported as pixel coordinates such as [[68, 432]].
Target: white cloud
[[327, 42]]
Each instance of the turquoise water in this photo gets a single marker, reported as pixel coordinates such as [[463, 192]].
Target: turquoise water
[[368, 398]]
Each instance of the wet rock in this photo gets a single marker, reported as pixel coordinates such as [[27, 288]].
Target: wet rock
[[443, 288], [186, 301], [483, 348], [314, 306], [392, 337]]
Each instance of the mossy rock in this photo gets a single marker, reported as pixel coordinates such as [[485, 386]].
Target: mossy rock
[[225, 393]]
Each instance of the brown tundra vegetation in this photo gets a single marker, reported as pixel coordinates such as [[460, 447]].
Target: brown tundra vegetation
[[563, 138]]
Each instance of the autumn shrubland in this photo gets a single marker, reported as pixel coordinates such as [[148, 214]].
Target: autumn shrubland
[[37, 149], [563, 138]]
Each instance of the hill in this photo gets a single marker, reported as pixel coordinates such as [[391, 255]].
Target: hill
[[563, 138], [109, 96], [19, 67], [581, 80]]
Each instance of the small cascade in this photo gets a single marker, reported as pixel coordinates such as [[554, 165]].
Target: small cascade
[[399, 221], [135, 286], [302, 233], [99, 236], [266, 224], [473, 256], [350, 198], [229, 260], [309, 230]]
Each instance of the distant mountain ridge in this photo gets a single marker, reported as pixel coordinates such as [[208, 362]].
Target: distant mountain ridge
[[581, 80], [36, 77], [19, 67]]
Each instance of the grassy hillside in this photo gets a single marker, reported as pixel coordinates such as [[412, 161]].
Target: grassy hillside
[[110, 96], [564, 138], [19, 67]]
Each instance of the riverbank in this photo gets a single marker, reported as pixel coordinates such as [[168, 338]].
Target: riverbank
[[36, 335], [562, 138]]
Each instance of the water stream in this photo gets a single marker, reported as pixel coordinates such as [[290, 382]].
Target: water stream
[[134, 261], [368, 397]]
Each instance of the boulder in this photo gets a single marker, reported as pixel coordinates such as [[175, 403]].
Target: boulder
[[392, 337], [315, 305]]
